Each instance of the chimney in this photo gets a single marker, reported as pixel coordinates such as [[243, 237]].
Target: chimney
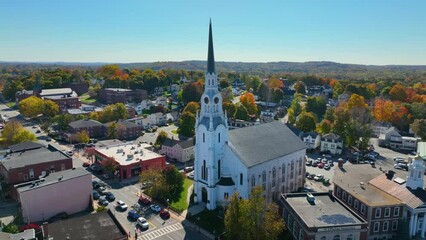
[[45, 230], [390, 174]]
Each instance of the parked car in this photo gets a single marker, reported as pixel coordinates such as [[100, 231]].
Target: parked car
[[305, 189], [188, 169], [155, 208], [164, 214], [315, 164], [191, 175], [109, 196], [95, 184], [327, 155], [102, 191], [324, 160], [48, 139], [309, 163], [132, 215], [400, 166], [398, 159], [319, 177], [96, 195], [311, 176], [38, 131], [144, 200], [307, 174], [122, 206], [70, 153], [327, 166], [106, 176], [331, 163], [320, 165], [145, 185], [102, 201], [59, 216], [86, 164], [143, 223]]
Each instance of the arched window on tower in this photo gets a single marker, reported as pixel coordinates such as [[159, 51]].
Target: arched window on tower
[[218, 137], [283, 173], [264, 180], [274, 176], [204, 171], [218, 169], [253, 181]]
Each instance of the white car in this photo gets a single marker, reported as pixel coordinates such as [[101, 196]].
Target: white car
[[143, 223], [121, 205], [155, 208], [398, 159], [319, 177]]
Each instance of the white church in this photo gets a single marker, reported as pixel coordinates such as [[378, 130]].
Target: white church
[[267, 155]]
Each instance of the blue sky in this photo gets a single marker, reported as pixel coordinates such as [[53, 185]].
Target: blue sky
[[362, 31]]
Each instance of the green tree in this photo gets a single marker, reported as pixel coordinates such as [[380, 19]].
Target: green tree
[[63, 120], [306, 122], [324, 127], [230, 109], [24, 135], [192, 92], [300, 88], [291, 117], [10, 88], [10, 228], [419, 128], [157, 188], [109, 164], [397, 93], [341, 118], [50, 108], [223, 83], [112, 130], [249, 103], [11, 129], [337, 90], [316, 105], [233, 218], [31, 106], [162, 136], [186, 124], [241, 112], [82, 137], [174, 181], [192, 107], [253, 218]]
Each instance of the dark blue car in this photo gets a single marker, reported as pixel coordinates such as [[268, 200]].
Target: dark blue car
[[110, 197], [133, 215], [96, 195]]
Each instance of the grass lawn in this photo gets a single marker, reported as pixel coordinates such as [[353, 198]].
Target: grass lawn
[[11, 104], [85, 98], [210, 221], [182, 204]]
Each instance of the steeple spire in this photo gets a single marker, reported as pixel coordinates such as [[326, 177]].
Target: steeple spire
[[210, 57]]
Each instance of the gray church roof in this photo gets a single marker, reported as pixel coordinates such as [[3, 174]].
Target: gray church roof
[[217, 120], [261, 143]]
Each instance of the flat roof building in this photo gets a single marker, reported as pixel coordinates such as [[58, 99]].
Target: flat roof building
[[321, 216]]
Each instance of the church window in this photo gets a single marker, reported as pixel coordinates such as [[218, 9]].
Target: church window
[[218, 169], [218, 137], [204, 137], [396, 212], [292, 166], [206, 100], [241, 179], [253, 181], [204, 171], [225, 196], [264, 181], [274, 175]]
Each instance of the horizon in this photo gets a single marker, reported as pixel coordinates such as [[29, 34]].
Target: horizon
[[352, 32]]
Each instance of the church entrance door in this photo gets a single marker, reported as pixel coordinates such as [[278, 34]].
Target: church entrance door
[[204, 195]]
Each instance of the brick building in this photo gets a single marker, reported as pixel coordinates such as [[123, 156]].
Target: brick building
[[320, 216], [66, 98], [92, 127], [130, 159], [29, 165], [125, 130], [116, 95]]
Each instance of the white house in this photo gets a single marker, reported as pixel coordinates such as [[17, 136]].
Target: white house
[[311, 139], [380, 128], [161, 101], [173, 88], [333, 143], [395, 140], [267, 155], [181, 151], [156, 119]]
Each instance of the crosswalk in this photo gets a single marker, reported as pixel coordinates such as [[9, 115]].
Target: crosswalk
[[160, 232]]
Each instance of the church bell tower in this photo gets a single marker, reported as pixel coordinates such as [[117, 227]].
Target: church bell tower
[[211, 134]]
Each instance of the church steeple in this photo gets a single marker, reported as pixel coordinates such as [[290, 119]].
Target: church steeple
[[210, 56]]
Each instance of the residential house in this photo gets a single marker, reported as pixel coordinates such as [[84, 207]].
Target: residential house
[[31, 164], [92, 127], [116, 95], [161, 101], [320, 216], [398, 140], [311, 139], [174, 88], [333, 143], [156, 119], [130, 159], [84, 109], [421, 149], [380, 128], [144, 105], [125, 130], [158, 91], [44, 198], [344, 97], [181, 151]]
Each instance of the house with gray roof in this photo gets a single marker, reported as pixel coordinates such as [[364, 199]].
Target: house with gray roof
[[92, 127], [125, 130], [332, 143], [178, 150]]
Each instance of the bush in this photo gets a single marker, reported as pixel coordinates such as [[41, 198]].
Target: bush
[[101, 209]]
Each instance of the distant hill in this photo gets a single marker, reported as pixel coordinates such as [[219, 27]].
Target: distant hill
[[322, 68]]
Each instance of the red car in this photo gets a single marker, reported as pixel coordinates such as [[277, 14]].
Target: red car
[[320, 165], [86, 164], [144, 200], [164, 214]]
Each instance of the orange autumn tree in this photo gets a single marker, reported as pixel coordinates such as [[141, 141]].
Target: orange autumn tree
[[356, 101], [248, 101], [275, 83], [383, 110], [397, 93]]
